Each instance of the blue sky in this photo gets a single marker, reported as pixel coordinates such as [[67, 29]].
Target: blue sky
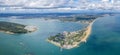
[[34, 6]]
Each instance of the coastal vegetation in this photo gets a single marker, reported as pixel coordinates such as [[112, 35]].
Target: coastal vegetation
[[11, 28]]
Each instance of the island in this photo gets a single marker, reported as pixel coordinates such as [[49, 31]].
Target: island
[[12, 28], [68, 40]]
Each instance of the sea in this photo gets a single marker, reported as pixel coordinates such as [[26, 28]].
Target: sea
[[104, 38]]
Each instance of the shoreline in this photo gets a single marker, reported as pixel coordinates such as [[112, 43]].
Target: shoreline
[[82, 39], [55, 43], [88, 31], [15, 28], [7, 32]]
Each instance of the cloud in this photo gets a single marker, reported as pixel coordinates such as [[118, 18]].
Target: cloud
[[33, 3], [58, 5]]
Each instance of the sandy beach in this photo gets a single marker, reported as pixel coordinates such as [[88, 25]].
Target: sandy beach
[[88, 32], [8, 32]]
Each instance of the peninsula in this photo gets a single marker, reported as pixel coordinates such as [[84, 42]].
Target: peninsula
[[68, 40], [12, 28]]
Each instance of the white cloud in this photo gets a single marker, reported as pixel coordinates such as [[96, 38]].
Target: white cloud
[[58, 5], [34, 3]]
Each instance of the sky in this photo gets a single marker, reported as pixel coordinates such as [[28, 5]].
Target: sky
[[43, 6]]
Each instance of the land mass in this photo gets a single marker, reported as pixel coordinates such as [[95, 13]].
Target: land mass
[[12, 28], [68, 40]]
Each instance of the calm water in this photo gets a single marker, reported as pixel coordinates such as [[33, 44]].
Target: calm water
[[104, 40]]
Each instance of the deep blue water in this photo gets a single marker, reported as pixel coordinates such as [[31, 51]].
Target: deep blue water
[[104, 39]]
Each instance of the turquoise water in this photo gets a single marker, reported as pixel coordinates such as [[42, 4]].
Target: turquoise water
[[104, 39]]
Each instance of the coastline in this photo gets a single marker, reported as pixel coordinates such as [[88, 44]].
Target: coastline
[[28, 31], [88, 31], [83, 38], [8, 32], [55, 43]]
